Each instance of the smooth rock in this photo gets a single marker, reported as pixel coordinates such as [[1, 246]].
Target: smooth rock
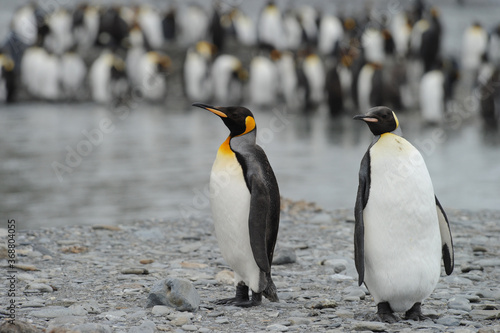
[[299, 321], [177, 293], [161, 310], [339, 265], [225, 277], [58, 311], [448, 321], [277, 327], [459, 303], [283, 256], [369, 326], [39, 287], [135, 270], [485, 314], [147, 326], [190, 328], [92, 328], [321, 304]]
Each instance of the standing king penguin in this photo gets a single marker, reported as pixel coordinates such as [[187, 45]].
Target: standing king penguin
[[401, 231], [245, 203]]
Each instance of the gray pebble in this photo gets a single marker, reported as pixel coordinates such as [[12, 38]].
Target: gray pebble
[[284, 256], [177, 293], [299, 320], [39, 287], [161, 310], [448, 321], [92, 328], [370, 326], [190, 328], [459, 303], [222, 320], [277, 327]]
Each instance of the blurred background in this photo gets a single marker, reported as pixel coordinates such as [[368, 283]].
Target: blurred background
[[98, 128]]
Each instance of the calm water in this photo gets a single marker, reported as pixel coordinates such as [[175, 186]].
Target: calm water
[[156, 163]]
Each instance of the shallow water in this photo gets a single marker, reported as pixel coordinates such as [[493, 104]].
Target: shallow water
[[151, 162]]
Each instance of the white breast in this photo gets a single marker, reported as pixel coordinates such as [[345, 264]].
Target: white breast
[[230, 202], [402, 239]]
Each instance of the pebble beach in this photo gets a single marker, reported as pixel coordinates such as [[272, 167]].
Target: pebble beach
[[98, 278]]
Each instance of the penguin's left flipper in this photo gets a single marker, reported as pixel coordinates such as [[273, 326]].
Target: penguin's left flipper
[[446, 239], [359, 227], [258, 224]]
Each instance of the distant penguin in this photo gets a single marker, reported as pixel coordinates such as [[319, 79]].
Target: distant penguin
[[291, 89], [436, 89], [292, 31], [262, 82], [152, 70], [169, 24], [151, 24], [372, 42], [24, 24], [228, 77], [426, 39], [217, 31], [73, 74], [401, 231], [244, 28], [40, 70], [494, 46], [314, 72], [309, 18], [474, 45], [113, 27], [193, 24], [401, 31], [488, 94], [245, 204], [370, 86], [270, 27], [85, 26], [197, 72], [107, 78], [333, 89], [60, 37], [137, 47], [7, 79], [330, 35]]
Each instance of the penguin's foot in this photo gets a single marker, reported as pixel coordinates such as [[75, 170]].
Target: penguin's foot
[[271, 292], [385, 313], [241, 299], [415, 313]]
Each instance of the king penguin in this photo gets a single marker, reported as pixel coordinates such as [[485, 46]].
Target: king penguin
[[401, 231], [245, 203]]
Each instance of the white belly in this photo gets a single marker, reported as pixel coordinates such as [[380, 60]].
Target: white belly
[[402, 239], [230, 201]]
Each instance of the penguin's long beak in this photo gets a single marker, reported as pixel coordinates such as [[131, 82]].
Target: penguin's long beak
[[212, 109], [366, 118]]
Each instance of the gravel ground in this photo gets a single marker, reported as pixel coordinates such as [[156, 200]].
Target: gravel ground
[[97, 278]]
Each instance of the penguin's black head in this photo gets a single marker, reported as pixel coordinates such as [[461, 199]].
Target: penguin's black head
[[380, 120], [238, 119]]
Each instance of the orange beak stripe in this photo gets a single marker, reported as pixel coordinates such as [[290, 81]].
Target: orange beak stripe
[[217, 112]]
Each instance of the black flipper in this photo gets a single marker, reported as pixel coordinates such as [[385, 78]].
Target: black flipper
[[359, 228], [446, 239]]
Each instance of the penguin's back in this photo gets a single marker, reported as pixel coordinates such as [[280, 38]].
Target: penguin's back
[[402, 237]]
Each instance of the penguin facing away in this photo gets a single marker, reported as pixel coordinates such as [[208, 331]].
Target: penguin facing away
[[245, 204], [401, 231]]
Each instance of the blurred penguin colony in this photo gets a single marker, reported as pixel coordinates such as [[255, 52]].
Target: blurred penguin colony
[[303, 56]]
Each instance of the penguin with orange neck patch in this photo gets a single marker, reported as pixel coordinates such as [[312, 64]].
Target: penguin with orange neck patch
[[245, 204], [401, 232]]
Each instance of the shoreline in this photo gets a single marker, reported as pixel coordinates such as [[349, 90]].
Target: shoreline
[[97, 278]]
